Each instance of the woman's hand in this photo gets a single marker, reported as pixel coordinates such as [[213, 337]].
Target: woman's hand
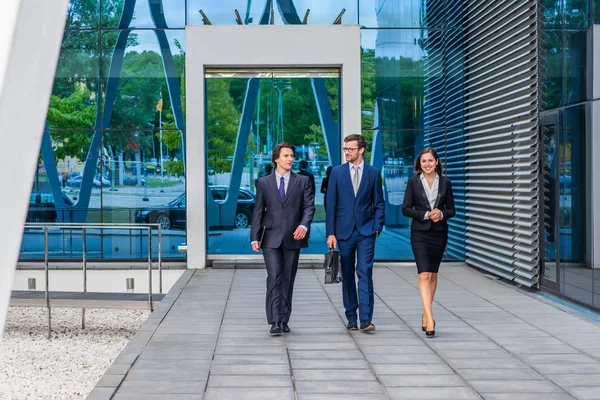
[[435, 215]]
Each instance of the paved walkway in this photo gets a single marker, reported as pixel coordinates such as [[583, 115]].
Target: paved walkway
[[209, 340]]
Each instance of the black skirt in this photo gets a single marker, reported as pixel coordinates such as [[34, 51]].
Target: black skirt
[[428, 248]]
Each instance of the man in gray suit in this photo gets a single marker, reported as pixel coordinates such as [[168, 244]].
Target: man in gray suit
[[283, 212]]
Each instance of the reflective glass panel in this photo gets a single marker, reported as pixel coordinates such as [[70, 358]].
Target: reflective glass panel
[[222, 12], [551, 69], [75, 90], [133, 99], [283, 109], [575, 66], [394, 72], [83, 14], [160, 14], [572, 208], [401, 13]]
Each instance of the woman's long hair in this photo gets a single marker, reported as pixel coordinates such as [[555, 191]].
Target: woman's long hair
[[417, 166]]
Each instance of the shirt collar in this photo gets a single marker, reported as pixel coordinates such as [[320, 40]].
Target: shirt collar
[[285, 177], [437, 177], [361, 166]]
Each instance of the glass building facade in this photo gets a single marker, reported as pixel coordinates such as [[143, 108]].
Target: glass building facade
[[114, 143]]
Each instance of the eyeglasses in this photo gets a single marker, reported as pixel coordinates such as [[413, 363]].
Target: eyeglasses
[[349, 149]]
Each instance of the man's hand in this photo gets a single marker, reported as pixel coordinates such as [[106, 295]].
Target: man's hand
[[256, 246], [299, 233], [331, 242]]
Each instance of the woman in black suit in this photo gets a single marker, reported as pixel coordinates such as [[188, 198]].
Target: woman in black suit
[[428, 200]]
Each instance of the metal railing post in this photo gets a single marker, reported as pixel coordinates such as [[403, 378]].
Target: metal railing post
[[84, 251], [149, 229], [46, 267], [160, 277]]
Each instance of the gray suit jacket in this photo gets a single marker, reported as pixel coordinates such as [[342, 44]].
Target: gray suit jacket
[[280, 219]]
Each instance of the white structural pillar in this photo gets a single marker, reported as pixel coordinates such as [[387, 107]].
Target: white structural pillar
[[30, 37], [257, 46]]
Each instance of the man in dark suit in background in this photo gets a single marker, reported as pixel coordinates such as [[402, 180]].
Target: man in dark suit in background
[[354, 218], [304, 171], [283, 212]]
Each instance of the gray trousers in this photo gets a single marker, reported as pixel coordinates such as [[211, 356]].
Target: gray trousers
[[282, 264]]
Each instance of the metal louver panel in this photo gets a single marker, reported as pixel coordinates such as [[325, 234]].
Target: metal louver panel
[[444, 105], [500, 121]]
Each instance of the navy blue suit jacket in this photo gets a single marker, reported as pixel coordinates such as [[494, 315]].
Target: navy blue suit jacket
[[345, 211]]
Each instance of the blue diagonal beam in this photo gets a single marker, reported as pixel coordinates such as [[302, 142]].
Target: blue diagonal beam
[[52, 176], [158, 16]]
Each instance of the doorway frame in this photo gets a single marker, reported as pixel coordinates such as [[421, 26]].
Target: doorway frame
[[257, 46]]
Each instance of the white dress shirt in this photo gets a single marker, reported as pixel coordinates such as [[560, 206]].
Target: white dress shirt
[[431, 192]]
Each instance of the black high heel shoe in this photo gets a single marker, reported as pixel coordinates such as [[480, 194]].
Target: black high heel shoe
[[430, 334]]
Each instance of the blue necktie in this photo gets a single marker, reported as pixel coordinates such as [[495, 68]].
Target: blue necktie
[[282, 188]]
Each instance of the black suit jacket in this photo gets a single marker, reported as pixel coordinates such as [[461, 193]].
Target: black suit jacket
[[280, 219], [415, 204], [310, 177]]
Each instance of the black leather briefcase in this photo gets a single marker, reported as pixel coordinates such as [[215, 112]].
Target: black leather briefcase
[[333, 267]]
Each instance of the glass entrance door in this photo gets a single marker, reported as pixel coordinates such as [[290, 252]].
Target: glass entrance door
[[248, 112]]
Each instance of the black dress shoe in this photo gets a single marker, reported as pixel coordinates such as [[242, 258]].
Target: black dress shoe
[[366, 326], [285, 328], [276, 328], [352, 325]]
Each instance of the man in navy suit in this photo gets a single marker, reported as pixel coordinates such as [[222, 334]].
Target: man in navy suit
[[354, 218], [283, 212]]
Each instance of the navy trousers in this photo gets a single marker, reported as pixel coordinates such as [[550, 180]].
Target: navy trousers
[[282, 265], [357, 254]]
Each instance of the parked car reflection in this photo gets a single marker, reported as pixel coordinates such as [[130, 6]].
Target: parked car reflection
[[42, 207], [172, 215]]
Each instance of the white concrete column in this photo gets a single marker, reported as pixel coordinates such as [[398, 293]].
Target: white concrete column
[[30, 37]]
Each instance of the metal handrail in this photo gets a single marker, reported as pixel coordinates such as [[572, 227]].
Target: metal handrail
[[84, 227]]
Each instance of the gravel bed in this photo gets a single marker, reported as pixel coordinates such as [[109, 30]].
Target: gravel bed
[[68, 365]]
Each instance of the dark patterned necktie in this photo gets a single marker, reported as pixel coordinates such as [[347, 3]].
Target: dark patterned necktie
[[282, 188]]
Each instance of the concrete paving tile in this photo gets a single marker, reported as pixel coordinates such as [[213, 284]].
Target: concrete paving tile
[[250, 381], [177, 355], [432, 393], [418, 380], [412, 369], [514, 386], [326, 364], [163, 396], [214, 393], [499, 363], [585, 392], [526, 396], [325, 355], [335, 346], [568, 368], [108, 380], [159, 387], [253, 369], [418, 349], [333, 374], [248, 359], [345, 396], [558, 358], [500, 374], [101, 393], [264, 350], [340, 387], [574, 379], [403, 358], [474, 354], [179, 374]]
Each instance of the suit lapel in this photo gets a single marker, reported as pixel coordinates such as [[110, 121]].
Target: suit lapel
[[421, 189], [441, 182], [291, 185], [273, 184], [363, 179], [346, 179]]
